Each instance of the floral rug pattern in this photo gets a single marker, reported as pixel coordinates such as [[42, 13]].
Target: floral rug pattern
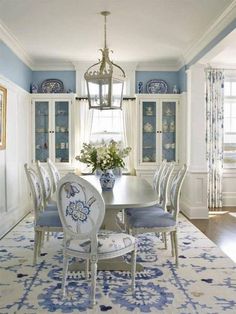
[[204, 282]]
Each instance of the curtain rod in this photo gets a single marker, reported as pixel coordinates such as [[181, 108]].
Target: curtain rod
[[223, 69], [86, 98]]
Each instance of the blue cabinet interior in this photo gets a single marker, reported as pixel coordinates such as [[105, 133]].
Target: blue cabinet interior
[[61, 131], [41, 130]]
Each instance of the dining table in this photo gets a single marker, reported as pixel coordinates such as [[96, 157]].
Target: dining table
[[128, 192]]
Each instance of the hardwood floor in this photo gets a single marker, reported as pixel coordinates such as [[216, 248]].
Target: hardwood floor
[[221, 229]]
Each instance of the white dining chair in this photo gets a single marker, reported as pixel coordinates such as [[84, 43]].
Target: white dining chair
[[44, 220], [82, 209], [161, 220]]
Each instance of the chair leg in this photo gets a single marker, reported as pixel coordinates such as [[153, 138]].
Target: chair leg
[[165, 239], [176, 247], [172, 244], [36, 243], [86, 268], [64, 276], [40, 237], [133, 268], [93, 281]]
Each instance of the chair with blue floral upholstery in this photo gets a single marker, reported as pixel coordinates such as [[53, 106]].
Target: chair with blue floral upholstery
[[44, 221], [161, 220], [82, 209], [54, 173]]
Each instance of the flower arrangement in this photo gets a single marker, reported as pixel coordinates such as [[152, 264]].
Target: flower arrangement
[[104, 157]]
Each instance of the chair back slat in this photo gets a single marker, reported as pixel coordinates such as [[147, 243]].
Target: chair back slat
[[164, 184], [176, 185], [157, 177], [36, 189], [81, 207], [55, 175], [45, 182]]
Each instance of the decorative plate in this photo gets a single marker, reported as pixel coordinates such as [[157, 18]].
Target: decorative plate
[[52, 86], [157, 87]]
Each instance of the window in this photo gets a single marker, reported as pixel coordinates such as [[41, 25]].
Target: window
[[107, 125], [230, 124]]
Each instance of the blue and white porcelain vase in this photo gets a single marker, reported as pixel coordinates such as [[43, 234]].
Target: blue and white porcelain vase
[[107, 180]]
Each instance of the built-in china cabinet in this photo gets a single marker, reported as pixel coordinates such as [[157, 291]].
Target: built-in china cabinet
[[157, 122], [52, 132]]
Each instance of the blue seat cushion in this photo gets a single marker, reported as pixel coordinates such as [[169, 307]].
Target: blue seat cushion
[[48, 219], [143, 210], [153, 219], [51, 207]]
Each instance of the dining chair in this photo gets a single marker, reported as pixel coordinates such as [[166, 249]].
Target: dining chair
[[161, 220], [44, 221], [82, 209], [54, 173], [164, 180], [46, 187]]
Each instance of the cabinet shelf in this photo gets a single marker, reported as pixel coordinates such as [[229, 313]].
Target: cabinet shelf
[[62, 148], [62, 132], [153, 132]]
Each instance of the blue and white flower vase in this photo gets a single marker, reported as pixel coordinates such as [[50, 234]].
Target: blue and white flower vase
[[117, 172], [140, 87], [107, 180]]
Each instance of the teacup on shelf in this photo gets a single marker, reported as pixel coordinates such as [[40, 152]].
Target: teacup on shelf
[[167, 145], [148, 127], [149, 111]]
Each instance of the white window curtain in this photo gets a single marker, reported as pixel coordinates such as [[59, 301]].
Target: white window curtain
[[214, 134], [129, 123], [85, 119]]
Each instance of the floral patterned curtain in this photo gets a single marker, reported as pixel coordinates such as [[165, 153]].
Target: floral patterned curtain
[[214, 134]]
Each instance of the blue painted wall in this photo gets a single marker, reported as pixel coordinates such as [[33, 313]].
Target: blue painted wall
[[67, 77], [171, 78], [182, 79], [13, 68]]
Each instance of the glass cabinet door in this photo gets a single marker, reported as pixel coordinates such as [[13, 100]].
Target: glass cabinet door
[[169, 130], [62, 131], [149, 127], [41, 130]]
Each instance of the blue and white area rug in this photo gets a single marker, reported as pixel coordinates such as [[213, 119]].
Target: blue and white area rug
[[205, 281]]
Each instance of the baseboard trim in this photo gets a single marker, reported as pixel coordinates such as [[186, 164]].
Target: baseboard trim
[[193, 212]]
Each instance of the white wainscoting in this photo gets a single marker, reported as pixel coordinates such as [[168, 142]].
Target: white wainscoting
[[14, 193], [193, 201], [229, 187]]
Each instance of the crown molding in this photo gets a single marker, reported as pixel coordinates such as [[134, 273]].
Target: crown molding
[[53, 66], [10, 40], [219, 25], [159, 66]]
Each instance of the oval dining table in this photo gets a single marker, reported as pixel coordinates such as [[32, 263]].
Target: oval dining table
[[128, 192]]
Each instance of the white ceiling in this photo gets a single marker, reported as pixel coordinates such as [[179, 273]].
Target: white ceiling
[[138, 30]]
